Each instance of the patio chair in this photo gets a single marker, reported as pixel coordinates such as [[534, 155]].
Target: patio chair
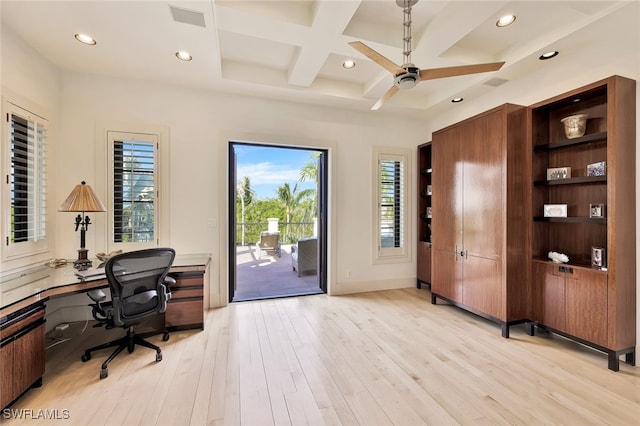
[[269, 242], [304, 256]]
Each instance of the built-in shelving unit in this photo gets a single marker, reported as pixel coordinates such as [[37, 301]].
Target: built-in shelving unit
[[590, 299], [424, 214]]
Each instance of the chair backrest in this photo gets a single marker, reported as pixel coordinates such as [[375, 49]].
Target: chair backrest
[[137, 284]]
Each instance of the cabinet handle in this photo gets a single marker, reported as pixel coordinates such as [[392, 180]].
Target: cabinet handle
[[566, 269]]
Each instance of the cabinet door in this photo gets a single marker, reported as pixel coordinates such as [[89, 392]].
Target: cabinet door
[[446, 225], [7, 392], [424, 262], [482, 289], [446, 280], [484, 218], [549, 295], [586, 305], [29, 358]]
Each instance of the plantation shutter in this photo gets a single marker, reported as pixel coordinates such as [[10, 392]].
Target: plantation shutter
[[391, 203], [134, 191], [27, 178]]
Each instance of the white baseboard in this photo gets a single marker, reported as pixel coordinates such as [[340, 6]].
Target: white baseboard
[[366, 286]]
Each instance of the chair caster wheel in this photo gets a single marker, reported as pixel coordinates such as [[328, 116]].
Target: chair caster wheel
[[165, 337], [104, 373], [158, 357], [85, 358]]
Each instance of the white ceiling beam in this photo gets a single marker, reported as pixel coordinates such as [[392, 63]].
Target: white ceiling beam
[[330, 21]]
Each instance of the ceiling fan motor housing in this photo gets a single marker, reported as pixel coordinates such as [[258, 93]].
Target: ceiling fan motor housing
[[407, 79]]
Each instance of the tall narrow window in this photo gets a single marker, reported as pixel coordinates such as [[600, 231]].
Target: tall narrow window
[[134, 189], [391, 216], [26, 183]]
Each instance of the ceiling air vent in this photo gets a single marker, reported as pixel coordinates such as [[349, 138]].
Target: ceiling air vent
[[495, 82], [187, 16]]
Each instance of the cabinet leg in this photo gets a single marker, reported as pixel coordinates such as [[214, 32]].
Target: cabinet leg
[[531, 331], [433, 299], [614, 362], [418, 284], [37, 383], [630, 357], [505, 330]]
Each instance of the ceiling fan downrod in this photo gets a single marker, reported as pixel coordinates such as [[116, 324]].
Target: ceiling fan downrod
[[406, 10]]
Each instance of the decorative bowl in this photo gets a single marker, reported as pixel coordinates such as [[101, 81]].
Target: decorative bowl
[[575, 125]]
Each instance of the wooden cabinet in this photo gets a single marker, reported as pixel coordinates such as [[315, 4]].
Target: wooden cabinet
[[22, 353], [186, 307], [480, 232], [425, 193], [599, 303]]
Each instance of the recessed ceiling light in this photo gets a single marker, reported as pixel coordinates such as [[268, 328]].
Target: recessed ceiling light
[[505, 20], [549, 55], [456, 100], [183, 55], [348, 64], [86, 39]]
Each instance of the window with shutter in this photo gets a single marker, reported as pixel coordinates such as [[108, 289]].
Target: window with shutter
[[133, 189], [25, 194], [391, 213]]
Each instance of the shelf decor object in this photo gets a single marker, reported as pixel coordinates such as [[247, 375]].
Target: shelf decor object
[[558, 173], [82, 199], [596, 210], [575, 125], [597, 169], [592, 298], [558, 257], [555, 210]]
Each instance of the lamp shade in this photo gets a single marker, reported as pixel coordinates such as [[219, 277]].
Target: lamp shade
[[82, 199]]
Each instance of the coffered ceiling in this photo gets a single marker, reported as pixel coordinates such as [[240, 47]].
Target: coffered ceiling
[[294, 49]]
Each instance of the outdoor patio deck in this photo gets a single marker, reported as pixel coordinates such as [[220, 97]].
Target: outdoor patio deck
[[269, 276]]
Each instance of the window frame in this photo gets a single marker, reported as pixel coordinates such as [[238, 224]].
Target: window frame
[[403, 252], [106, 134], [39, 244]]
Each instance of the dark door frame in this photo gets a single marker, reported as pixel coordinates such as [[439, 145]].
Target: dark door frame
[[323, 202]]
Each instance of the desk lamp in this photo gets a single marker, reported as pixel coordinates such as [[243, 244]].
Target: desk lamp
[[82, 199]]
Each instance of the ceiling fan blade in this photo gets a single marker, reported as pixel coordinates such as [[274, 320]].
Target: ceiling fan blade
[[376, 57], [392, 91], [433, 73]]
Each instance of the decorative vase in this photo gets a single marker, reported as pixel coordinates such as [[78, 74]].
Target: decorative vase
[[575, 125]]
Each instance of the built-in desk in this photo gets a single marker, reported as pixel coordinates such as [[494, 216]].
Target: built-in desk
[[22, 314]]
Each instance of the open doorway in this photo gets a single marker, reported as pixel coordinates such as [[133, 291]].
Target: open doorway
[[277, 221]]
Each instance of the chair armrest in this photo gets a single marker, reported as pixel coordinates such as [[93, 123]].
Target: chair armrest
[[97, 295], [169, 281]]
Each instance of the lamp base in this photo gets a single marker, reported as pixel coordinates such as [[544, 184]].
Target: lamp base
[[83, 262]]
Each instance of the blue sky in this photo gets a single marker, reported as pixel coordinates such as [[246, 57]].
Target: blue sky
[[268, 168]]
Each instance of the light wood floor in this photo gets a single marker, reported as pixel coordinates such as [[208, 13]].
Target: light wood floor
[[370, 359]]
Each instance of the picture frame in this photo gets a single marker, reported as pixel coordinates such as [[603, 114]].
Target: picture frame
[[554, 173], [597, 169], [596, 210], [598, 257], [555, 210]]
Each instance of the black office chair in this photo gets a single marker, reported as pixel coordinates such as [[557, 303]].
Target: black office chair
[[139, 289]]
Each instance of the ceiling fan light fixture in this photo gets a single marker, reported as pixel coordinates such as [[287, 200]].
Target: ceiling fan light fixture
[[505, 21], [86, 39], [549, 55], [349, 64], [457, 100], [183, 55]]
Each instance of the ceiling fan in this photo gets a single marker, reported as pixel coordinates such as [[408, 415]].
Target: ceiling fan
[[408, 75]]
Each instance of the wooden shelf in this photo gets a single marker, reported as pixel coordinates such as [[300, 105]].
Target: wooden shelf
[[586, 139], [574, 219], [572, 181]]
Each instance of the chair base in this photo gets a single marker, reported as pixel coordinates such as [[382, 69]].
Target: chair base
[[129, 341]]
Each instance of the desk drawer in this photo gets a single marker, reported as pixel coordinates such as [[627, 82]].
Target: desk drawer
[[185, 314], [185, 293]]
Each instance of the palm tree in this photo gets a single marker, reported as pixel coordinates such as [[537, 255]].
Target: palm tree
[[291, 200], [245, 193], [309, 172]]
